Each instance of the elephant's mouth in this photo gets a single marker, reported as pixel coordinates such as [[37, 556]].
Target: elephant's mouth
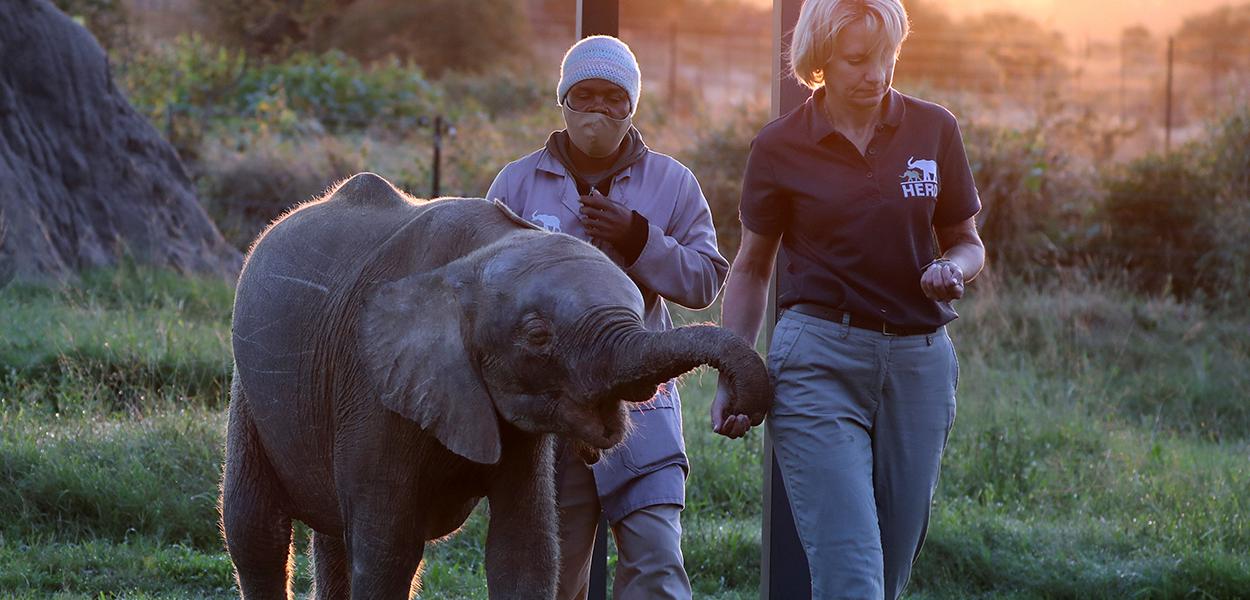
[[602, 424], [586, 453]]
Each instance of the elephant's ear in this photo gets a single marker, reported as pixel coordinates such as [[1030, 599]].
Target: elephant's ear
[[418, 359], [515, 218]]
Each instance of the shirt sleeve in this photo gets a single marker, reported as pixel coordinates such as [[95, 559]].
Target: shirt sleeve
[[683, 264], [499, 189], [958, 199], [639, 231], [763, 207]]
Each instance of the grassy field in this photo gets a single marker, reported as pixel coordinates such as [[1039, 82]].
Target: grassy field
[[1101, 450]]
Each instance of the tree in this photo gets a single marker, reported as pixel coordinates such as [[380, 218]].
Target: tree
[[1020, 49], [933, 51], [439, 35], [1216, 43], [272, 26]]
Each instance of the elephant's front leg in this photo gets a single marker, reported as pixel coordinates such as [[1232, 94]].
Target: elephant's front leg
[[522, 554]]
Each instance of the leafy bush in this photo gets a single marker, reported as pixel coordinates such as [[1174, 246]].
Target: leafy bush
[[192, 88], [504, 93], [107, 20], [1227, 265], [1154, 221], [1177, 222], [1229, 153], [440, 35], [718, 158], [244, 190], [268, 27], [1033, 197]]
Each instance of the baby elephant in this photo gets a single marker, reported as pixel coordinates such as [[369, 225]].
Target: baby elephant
[[398, 360]]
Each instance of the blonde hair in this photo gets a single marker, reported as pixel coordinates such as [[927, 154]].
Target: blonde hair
[[821, 21]]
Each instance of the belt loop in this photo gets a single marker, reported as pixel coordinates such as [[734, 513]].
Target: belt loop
[[846, 324]]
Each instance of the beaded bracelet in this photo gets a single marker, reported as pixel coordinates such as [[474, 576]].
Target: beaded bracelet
[[938, 261]]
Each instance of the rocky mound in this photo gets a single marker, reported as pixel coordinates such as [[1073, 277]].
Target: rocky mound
[[85, 179]]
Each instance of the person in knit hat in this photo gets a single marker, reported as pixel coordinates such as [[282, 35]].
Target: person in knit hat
[[598, 181]]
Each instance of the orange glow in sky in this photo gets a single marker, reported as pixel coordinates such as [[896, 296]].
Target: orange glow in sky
[[1079, 19]]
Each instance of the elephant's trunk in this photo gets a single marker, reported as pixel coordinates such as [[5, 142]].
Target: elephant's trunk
[[645, 360]]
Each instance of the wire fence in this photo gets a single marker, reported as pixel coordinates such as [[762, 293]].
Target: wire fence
[[1120, 89]]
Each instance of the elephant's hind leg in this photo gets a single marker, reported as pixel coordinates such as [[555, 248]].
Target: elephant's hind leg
[[256, 525], [384, 553], [331, 580]]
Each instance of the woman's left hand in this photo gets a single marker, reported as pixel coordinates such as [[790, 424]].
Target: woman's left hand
[[943, 281]]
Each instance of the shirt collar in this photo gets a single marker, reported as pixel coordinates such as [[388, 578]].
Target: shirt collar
[[550, 164], [818, 124]]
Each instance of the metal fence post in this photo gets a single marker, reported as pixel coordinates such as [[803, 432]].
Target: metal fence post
[[438, 156], [1167, 126], [784, 573]]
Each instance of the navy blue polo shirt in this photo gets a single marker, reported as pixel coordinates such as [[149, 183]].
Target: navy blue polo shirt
[[856, 229]]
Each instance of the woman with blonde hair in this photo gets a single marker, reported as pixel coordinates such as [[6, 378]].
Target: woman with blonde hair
[[868, 194]]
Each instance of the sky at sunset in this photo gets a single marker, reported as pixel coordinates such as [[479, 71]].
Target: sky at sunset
[[1095, 19]]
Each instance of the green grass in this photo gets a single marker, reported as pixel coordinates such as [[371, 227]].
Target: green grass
[[1101, 450]]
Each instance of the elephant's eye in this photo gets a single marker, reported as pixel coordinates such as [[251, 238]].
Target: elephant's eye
[[537, 333]]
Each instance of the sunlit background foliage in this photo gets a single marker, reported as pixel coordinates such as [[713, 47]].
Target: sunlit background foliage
[[1103, 433]]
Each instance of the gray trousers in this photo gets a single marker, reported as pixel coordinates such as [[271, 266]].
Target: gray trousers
[[649, 563], [858, 428]]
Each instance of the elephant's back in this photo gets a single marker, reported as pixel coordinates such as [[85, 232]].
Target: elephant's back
[[295, 318], [304, 269]]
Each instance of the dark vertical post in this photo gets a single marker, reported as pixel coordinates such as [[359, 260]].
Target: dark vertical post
[[784, 572], [438, 155], [599, 17], [672, 67], [1123, 66], [1167, 123]]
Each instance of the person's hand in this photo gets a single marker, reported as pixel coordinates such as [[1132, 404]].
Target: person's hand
[[942, 281], [605, 219], [732, 426]]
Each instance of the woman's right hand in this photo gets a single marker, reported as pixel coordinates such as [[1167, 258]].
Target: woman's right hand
[[742, 310], [732, 426]]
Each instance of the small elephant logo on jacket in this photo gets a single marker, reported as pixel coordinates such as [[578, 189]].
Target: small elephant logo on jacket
[[920, 179], [548, 222]]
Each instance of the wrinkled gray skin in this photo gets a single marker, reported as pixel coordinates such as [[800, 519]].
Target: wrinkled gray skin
[[396, 361]]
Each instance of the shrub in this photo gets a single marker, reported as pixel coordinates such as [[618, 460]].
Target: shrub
[[440, 35], [1227, 264], [1177, 222], [275, 27], [1153, 218], [1033, 197], [193, 88], [718, 158], [108, 20], [243, 190], [504, 93]]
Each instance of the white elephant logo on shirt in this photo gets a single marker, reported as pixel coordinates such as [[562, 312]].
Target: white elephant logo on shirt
[[920, 179], [548, 222], [927, 167]]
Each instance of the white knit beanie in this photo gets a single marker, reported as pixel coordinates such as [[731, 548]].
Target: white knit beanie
[[601, 57]]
